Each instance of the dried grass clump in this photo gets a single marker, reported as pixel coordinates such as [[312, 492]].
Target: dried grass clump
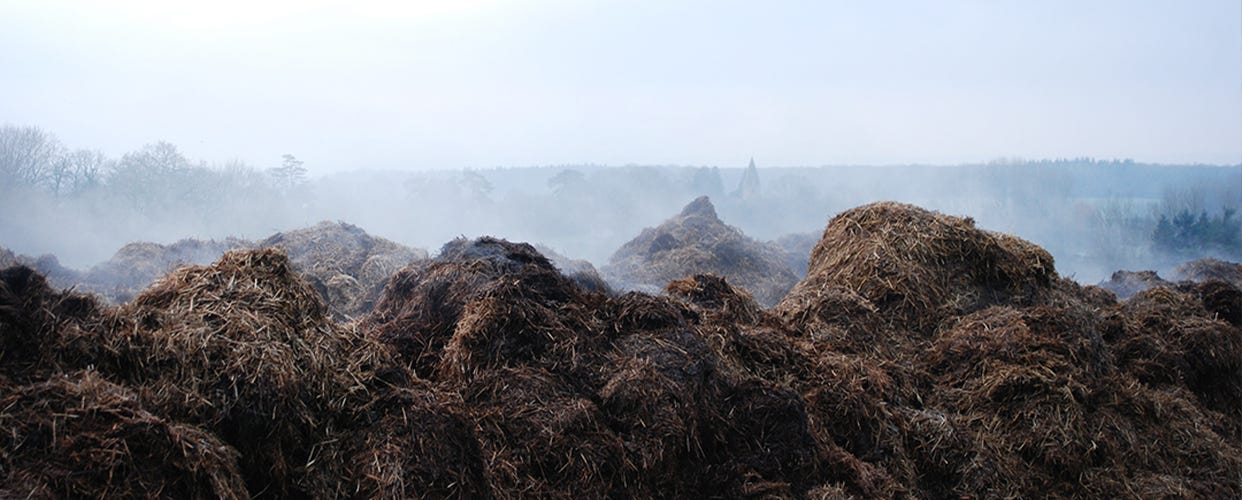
[[697, 242], [540, 439], [1023, 382], [694, 424], [508, 325], [426, 303], [842, 320], [1048, 413], [347, 266], [723, 377], [858, 440], [1210, 269], [44, 331], [1222, 300], [496, 322], [77, 435], [415, 441], [761, 432], [244, 348], [1169, 338], [921, 268], [712, 295]]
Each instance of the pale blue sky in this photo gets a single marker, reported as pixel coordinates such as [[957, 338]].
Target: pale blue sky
[[482, 83]]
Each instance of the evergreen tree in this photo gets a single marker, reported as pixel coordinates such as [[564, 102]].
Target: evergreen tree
[[289, 174]]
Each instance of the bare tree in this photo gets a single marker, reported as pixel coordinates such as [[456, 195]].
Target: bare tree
[[87, 167], [27, 155], [149, 177], [73, 172]]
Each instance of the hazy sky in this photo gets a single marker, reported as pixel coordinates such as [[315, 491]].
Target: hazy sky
[[427, 84]]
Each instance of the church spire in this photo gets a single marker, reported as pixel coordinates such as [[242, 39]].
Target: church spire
[[749, 187]]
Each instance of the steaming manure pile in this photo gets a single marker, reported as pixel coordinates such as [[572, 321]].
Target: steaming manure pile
[[137, 265], [1188, 276], [131, 269], [345, 264], [581, 272], [1126, 284], [697, 241], [1210, 269], [921, 357]]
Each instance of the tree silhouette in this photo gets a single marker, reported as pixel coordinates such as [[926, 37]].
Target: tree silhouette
[[289, 174]]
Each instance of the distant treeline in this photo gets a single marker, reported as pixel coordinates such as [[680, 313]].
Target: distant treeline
[[1095, 216]]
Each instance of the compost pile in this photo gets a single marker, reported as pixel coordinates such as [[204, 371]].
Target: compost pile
[[47, 265], [131, 269], [920, 357], [345, 264], [1210, 269], [1126, 284], [582, 272], [221, 381], [696, 242], [137, 265]]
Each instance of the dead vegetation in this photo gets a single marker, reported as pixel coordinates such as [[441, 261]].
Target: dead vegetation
[[242, 350], [921, 357], [346, 265], [137, 265], [580, 271], [920, 268], [1126, 284], [1210, 269], [1010, 381], [697, 242], [78, 435], [131, 269]]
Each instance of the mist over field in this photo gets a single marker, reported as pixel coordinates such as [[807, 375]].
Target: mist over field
[[1094, 216]]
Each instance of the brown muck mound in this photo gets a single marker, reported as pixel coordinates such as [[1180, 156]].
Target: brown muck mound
[[79, 436], [1210, 269], [137, 265], [345, 264], [697, 242], [1126, 284], [920, 268]]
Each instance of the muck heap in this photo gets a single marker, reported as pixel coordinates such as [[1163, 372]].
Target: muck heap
[[345, 264], [697, 241], [920, 357]]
